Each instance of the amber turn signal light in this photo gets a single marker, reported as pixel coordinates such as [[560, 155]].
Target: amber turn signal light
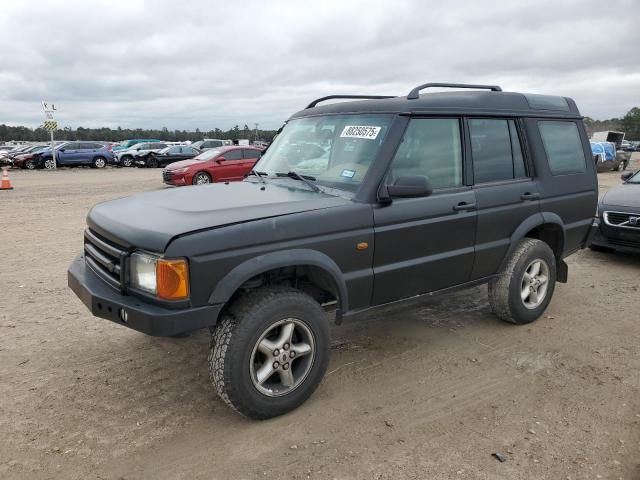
[[172, 279]]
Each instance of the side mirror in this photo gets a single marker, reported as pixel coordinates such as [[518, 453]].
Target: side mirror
[[410, 186], [626, 176]]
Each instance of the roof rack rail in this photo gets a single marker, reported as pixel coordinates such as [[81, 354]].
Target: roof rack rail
[[415, 93], [361, 97]]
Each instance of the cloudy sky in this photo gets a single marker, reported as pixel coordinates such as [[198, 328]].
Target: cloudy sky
[[204, 64]]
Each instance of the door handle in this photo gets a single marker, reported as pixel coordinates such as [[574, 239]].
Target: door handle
[[464, 206], [529, 196]]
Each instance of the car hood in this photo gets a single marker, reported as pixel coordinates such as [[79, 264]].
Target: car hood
[[184, 163], [625, 195], [151, 220]]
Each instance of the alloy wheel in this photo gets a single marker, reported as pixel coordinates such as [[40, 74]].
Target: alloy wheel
[[535, 281], [282, 357]]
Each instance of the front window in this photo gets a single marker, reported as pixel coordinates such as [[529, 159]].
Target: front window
[[334, 150]]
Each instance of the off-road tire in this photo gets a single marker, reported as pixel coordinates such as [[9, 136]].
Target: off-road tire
[[504, 291], [99, 162], [194, 181], [235, 336]]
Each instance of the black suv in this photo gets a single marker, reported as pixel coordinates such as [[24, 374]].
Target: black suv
[[404, 196]]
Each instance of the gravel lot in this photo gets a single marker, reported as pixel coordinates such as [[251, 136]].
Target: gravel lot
[[427, 391]]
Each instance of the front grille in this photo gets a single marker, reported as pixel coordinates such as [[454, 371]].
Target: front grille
[[166, 175], [622, 219], [105, 258]]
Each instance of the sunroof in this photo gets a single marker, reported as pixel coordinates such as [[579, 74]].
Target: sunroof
[[546, 102]]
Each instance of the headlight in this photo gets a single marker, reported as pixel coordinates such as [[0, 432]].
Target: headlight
[[167, 279]]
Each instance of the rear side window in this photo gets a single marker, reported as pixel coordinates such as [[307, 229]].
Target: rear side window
[[496, 150], [250, 153], [563, 147], [431, 147], [233, 154]]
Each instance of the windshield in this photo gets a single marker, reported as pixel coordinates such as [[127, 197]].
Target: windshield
[[209, 154], [635, 178], [335, 150]]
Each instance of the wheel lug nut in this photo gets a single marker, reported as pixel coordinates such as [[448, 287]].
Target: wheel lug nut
[[286, 346], [276, 364], [276, 352], [292, 354], [285, 366]]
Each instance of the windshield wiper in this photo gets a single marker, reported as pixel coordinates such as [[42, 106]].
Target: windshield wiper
[[303, 178], [258, 174]]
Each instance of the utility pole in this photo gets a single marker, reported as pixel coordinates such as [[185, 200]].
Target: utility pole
[[256, 138]]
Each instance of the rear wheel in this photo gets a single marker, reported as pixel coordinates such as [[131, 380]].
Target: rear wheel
[[99, 162], [201, 178], [525, 285], [269, 352]]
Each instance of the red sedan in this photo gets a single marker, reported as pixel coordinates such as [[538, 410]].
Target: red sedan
[[216, 165]]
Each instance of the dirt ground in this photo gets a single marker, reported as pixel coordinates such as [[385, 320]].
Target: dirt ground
[[427, 391]]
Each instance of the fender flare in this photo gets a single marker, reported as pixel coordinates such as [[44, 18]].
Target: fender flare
[[529, 224], [286, 258]]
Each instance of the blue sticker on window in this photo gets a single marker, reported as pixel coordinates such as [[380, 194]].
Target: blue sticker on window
[[348, 173]]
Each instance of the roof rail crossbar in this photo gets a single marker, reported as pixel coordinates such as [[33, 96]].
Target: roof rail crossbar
[[415, 93], [356, 97]]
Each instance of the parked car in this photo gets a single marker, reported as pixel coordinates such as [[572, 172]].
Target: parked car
[[619, 213], [127, 144], [28, 160], [422, 194], [216, 165], [208, 144], [166, 156], [127, 158], [71, 154]]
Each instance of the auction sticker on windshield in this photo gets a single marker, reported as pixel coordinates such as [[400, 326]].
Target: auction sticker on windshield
[[360, 131]]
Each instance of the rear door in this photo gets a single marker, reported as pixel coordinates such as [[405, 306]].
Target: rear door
[[506, 191], [426, 244], [250, 156]]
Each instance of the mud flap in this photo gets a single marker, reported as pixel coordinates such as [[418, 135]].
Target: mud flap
[[562, 272]]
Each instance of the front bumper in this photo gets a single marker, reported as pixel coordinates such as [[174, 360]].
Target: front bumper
[[105, 302], [617, 239]]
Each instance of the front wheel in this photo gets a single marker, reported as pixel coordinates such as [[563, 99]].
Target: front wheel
[[524, 287], [127, 162], [49, 164], [30, 164], [269, 352], [201, 178]]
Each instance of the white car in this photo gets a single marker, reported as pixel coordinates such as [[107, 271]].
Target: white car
[[126, 158]]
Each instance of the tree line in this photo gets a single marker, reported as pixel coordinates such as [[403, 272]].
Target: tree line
[[21, 133], [630, 124]]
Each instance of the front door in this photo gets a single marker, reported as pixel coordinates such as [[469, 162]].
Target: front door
[[426, 244], [231, 167]]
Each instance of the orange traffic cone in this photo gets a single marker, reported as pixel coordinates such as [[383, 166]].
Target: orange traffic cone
[[6, 183]]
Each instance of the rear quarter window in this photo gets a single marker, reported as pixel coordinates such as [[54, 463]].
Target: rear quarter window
[[563, 147]]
